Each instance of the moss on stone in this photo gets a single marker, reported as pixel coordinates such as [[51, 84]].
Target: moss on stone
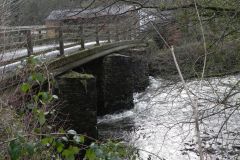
[[86, 76], [73, 74]]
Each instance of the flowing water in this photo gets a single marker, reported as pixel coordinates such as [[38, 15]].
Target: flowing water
[[162, 121]]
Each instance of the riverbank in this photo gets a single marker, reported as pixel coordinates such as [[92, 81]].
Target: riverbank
[[221, 61]]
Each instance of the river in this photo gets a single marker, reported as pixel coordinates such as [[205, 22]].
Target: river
[[162, 120]]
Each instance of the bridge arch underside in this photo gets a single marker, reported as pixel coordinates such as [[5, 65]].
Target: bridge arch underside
[[102, 86]]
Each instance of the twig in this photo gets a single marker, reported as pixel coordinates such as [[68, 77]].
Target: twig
[[50, 134], [193, 102], [150, 153]]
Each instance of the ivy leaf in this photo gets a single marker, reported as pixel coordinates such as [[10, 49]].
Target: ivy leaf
[[65, 139], [47, 140], [79, 139], [35, 98], [44, 96], [99, 152], [61, 130], [32, 60], [38, 77], [29, 148], [59, 147], [37, 130], [76, 139], [15, 150], [72, 132], [55, 96], [82, 139], [75, 150], [41, 118], [69, 154], [25, 87], [90, 154]]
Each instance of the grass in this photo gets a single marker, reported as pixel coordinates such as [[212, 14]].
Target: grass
[[10, 126]]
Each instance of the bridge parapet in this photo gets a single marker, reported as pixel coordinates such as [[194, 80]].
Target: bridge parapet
[[65, 63], [61, 36]]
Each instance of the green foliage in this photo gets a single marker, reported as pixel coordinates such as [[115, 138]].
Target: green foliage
[[70, 152], [110, 151], [37, 77], [25, 87], [42, 140], [62, 144], [19, 148]]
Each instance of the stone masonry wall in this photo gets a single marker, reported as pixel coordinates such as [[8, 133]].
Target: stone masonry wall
[[117, 84], [140, 70], [79, 94], [95, 68]]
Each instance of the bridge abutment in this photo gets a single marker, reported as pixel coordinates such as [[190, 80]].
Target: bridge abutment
[[79, 94]]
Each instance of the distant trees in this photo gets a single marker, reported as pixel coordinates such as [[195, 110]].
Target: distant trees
[[220, 18], [33, 12]]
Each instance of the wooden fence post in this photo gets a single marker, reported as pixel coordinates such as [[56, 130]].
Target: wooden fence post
[[97, 35], [117, 34], [29, 42], [81, 34], [19, 36], [108, 35], [130, 33], [134, 33], [60, 37], [39, 34]]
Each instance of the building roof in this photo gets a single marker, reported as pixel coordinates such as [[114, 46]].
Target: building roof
[[88, 13]]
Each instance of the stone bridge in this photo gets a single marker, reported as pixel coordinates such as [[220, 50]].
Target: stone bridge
[[65, 63], [99, 81], [92, 81]]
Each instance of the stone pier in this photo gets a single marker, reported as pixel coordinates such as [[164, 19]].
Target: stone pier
[[140, 68], [116, 78], [95, 68], [140, 74], [117, 84], [79, 93]]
